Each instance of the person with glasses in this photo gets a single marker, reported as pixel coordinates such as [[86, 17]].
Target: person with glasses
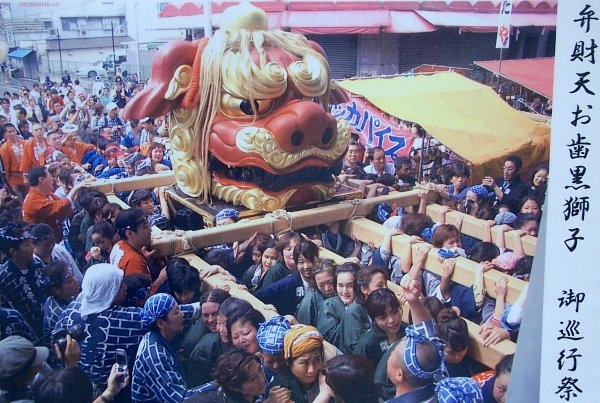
[[509, 189], [210, 302]]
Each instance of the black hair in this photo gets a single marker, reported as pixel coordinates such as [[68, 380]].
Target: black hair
[[351, 378], [515, 159], [67, 385], [105, 229], [523, 267], [401, 161], [140, 196], [415, 223], [138, 286], [380, 301], [522, 219], [483, 252], [364, 277], [505, 365], [253, 316], [129, 220], [231, 371], [232, 305], [35, 174], [452, 329], [458, 168], [40, 232], [308, 249], [54, 274], [218, 256], [65, 175], [182, 276]]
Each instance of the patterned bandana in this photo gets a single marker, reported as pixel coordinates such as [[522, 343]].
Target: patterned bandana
[[506, 217], [458, 390], [506, 261], [447, 253], [227, 213], [301, 339], [271, 334], [156, 307], [410, 355], [481, 191], [10, 226]]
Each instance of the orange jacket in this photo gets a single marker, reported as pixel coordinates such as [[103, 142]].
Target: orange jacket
[[79, 149], [29, 161], [50, 210], [12, 166]]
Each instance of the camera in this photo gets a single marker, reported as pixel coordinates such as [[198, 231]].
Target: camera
[[121, 358], [60, 336]]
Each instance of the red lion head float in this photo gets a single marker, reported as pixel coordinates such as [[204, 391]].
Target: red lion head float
[[248, 114]]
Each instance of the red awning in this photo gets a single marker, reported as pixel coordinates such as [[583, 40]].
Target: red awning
[[482, 22], [406, 22], [534, 74], [336, 22]]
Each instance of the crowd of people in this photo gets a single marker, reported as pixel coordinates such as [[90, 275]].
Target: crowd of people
[[88, 312]]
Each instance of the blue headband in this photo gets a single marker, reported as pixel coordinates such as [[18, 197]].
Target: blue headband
[[481, 191], [506, 217], [271, 334], [156, 307], [410, 355], [458, 390], [448, 253], [227, 213]]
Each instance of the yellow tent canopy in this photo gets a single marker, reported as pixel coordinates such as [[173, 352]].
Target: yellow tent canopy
[[464, 115]]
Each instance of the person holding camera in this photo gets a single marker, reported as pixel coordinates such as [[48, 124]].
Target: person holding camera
[[114, 122], [108, 324]]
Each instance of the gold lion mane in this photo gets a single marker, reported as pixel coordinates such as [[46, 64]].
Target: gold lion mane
[[227, 65]]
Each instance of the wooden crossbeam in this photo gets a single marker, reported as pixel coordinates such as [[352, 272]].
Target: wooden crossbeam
[[166, 178], [366, 230], [474, 227]]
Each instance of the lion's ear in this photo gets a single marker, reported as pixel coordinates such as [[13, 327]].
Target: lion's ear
[[180, 83], [192, 97], [151, 101]]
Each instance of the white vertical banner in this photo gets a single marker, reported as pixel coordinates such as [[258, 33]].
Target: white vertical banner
[[570, 326], [503, 35]]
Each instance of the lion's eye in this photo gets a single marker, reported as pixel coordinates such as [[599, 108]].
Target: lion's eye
[[237, 107]]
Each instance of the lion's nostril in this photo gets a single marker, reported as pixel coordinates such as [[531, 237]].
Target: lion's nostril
[[297, 138], [327, 135]]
